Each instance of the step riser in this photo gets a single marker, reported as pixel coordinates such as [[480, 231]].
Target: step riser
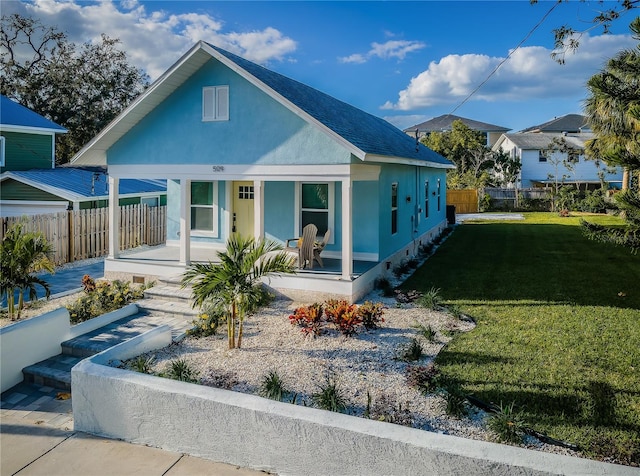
[[47, 381], [152, 296]]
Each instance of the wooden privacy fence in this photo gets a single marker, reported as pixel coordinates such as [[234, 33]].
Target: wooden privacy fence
[[465, 201], [83, 234]]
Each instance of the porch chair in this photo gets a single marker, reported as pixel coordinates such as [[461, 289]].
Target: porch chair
[[303, 246], [317, 249]]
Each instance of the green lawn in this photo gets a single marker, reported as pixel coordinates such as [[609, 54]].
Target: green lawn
[[558, 329]]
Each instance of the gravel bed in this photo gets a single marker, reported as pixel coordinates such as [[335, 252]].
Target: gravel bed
[[364, 366]]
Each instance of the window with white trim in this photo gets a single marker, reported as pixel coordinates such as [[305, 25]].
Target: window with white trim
[[439, 190], [542, 157], [315, 206], [394, 208], [204, 207], [215, 103], [1, 151]]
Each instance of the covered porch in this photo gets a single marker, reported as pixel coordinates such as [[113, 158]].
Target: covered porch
[[150, 263]]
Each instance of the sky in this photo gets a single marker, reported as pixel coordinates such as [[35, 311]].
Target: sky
[[406, 62]]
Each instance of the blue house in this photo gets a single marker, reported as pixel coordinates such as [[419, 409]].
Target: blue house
[[247, 150]]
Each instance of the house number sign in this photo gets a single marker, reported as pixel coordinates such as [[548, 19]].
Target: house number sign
[[218, 168]]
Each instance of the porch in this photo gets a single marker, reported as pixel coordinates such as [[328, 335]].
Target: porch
[[150, 263]]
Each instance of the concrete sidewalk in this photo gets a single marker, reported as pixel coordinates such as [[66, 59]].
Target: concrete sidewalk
[[29, 448]]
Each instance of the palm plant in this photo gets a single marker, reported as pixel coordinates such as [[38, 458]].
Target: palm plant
[[235, 282], [22, 254]]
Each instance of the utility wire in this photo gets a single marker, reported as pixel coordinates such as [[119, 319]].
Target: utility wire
[[508, 56]]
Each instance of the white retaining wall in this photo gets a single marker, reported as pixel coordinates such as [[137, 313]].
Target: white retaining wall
[[257, 433], [27, 342]]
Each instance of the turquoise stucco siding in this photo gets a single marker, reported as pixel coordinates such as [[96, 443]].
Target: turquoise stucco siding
[[279, 213], [259, 130], [411, 219]]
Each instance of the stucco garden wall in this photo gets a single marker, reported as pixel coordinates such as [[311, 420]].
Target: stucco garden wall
[[287, 439]]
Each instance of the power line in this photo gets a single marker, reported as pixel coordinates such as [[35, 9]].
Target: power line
[[508, 56]]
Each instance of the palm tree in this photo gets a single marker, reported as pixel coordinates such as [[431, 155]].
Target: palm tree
[[235, 282], [613, 112], [21, 255]]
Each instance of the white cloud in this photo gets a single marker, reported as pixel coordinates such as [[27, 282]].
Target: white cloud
[[154, 40], [530, 73], [390, 49]]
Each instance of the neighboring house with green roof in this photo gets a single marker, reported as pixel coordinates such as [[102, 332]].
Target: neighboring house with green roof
[[245, 149]]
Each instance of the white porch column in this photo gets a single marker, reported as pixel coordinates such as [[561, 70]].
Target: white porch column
[[347, 230], [258, 209], [114, 218], [185, 222]]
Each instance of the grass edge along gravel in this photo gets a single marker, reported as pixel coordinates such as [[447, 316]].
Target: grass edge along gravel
[[558, 325]]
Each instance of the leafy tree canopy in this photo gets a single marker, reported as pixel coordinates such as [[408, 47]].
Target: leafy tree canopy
[[80, 87], [477, 165], [567, 38]]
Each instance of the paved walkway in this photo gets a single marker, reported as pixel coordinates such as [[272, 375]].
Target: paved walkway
[[29, 447]]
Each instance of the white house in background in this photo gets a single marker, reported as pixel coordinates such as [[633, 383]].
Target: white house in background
[[541, 168]]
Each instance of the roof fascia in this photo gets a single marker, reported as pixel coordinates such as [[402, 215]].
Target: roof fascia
[[150, 90], [31, 129], [404, 161], [60, 192], [284, 101]]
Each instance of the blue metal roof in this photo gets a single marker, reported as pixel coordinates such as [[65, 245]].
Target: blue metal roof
[[14, 114], [85, 182], [367, 132]]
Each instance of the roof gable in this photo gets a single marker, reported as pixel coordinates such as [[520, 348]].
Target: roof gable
[[365, 135], [567, 123], [543, 140], [14, 115], [445, 122]]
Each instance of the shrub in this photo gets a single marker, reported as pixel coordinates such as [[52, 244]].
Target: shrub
[[384, 285], [345, 316], [88, 283], [455, 401], [371, 314], [143, 364], [272, 386], [310, 318], [411, 352], [507, 424], [181, 370], [426, 331], [426, 249], [423, 377], [329, 397], [208, 321], [401, 269], [103, 297], [430, 299]]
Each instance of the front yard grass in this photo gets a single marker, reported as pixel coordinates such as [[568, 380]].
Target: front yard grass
[[558, 331]]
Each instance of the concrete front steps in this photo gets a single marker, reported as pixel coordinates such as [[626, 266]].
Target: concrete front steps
[[164, 304]]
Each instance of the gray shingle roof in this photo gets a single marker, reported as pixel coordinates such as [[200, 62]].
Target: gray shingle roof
[[542, 140], [568, 123], [444, 122], [367, 132]]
